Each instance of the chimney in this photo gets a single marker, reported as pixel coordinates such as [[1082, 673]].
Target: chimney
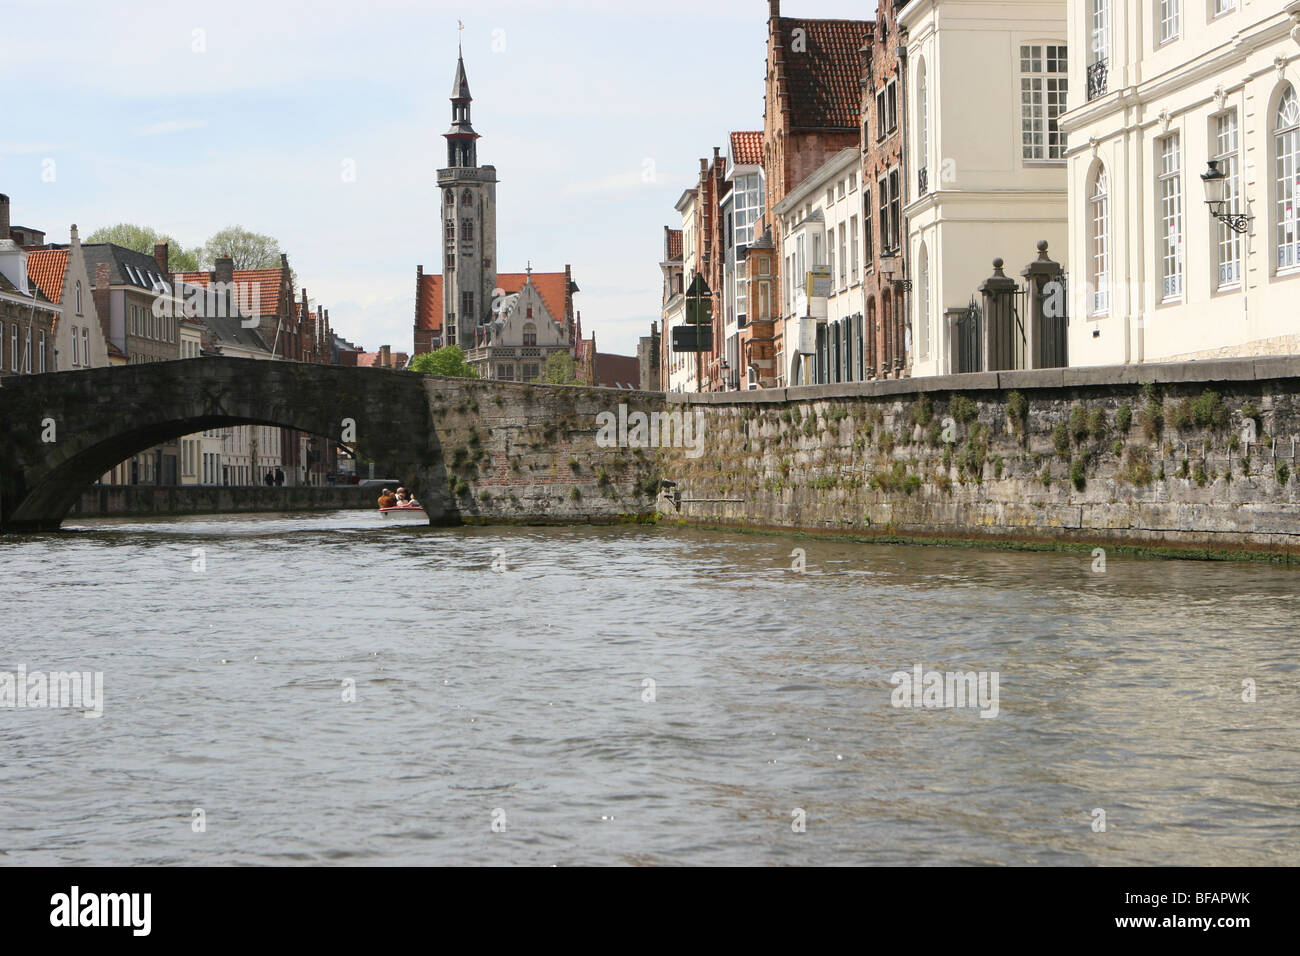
[[160, 256], [384, 357], [225, 269], [4, 216], [101, 275], [74, 239]]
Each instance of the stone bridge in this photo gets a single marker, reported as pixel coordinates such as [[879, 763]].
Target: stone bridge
[[469, 449]]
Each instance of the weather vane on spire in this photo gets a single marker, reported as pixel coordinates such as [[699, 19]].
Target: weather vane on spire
[[460, 28]]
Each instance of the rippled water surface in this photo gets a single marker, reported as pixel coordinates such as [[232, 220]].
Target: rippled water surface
[[520, 693]]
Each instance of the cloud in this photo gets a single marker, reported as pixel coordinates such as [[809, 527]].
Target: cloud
[[172, 126]]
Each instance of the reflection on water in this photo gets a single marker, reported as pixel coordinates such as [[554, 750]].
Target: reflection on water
[[526, 689]]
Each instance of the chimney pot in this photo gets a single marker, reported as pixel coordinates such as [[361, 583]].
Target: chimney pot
[[225, 269], [159, 255]]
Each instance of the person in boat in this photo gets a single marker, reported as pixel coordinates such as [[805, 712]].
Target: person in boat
[[410, 500], [387, 499]]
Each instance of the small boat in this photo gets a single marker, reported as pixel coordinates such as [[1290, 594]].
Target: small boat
[[409, 509]]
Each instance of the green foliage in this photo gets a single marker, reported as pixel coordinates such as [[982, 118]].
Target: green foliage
[[575, 465], [142, 239], [1205, 411], [1124, 418], [1183, 470], [1152, 420], [1076, 472], [963, 409], [896, 479], [448, 360], [1097, 426], [1078, 423], [249, 250], [1061, 438], [1117, 447], [1208, 410], [1283, 473], [1137, 467], [1018, 411], [1046, 476], [922, 411], [1249, 410], [809, 425], [1199, 475], [559, 369]]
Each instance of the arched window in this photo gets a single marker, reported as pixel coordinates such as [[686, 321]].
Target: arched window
[[451, 197], [467, 198], [1099, 241], [1286, 152], [530, 334], [74, 346], [923, 302], [922, 115]]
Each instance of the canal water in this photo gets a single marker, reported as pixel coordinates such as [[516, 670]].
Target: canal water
[[341, 688]]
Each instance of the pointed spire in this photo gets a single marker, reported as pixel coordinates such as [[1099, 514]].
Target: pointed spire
[[460, 86]]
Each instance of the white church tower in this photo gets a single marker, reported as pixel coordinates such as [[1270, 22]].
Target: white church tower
[[469, 225]]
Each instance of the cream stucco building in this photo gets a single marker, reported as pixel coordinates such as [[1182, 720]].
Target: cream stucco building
[[1167, 87], [822, 265], [985, 159]]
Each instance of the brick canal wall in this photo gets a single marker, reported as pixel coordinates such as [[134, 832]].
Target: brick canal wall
[[112, 500], [1195, 456]]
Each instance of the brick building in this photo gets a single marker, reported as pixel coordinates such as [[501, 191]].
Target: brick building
[[885, 190], [812, 101]]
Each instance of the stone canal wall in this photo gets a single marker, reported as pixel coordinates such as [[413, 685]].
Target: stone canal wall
[[112, 500], [1197, 456], [533, 454]]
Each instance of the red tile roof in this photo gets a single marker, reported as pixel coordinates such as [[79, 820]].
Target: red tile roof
[[46, 268], [269, 285], [747, 148], [428, 303], [549, 284], [822, 79], [674, 244]]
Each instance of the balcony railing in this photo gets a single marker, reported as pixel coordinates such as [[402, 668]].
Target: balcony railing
[[1097, 79], [922, 181]]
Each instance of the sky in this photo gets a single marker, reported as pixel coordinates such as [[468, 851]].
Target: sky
[[320, 123]]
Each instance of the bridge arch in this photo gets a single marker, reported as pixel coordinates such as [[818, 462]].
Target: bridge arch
[[64, 430]]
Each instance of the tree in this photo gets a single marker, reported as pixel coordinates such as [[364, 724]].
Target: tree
[[250, 250], [142, 239], [448, 360], [559, 369]]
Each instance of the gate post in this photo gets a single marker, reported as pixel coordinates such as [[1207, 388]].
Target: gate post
[[1042, 335], [998, 322], [951, 319]]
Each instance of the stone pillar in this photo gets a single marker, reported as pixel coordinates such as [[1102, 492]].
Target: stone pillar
[[1043, 331], [997, 326]]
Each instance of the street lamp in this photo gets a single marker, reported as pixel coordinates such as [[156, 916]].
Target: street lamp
[[1216, 197], [889, 270]]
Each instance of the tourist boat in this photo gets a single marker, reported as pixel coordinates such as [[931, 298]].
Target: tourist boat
[[403, 509]]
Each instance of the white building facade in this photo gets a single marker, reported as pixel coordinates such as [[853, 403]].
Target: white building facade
[[1171, 87], [822, 262], [986, 84]]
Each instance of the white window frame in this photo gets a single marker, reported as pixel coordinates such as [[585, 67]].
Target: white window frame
[[1226, 144], [1099, 242], [1169, 21], [1044, 94], [1286, 181], [1169, 194]]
